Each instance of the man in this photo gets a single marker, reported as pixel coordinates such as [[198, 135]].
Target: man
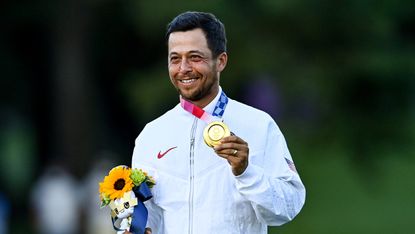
[[238, 184]]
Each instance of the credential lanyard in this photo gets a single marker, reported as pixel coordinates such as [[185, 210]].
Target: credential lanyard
[[203, 115]]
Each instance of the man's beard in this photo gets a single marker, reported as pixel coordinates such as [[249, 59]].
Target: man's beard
[[201, 92]]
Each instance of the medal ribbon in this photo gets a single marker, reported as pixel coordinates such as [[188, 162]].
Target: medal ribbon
[[203, 115]]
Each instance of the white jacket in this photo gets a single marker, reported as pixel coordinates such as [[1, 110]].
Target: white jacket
[[195, 189]]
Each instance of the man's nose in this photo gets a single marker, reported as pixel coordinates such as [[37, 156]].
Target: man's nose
[[185, 66]]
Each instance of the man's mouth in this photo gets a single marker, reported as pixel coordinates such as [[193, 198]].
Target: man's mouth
[[188, 81]]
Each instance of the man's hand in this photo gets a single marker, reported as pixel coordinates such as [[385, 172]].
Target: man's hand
[[236, 151]]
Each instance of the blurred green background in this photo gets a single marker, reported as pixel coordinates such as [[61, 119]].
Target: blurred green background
[[79, 79]]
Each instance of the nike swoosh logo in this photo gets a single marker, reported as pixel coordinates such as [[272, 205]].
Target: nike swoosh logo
[[160, 155]]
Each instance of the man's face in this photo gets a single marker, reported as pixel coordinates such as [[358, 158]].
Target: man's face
[[192, 70]]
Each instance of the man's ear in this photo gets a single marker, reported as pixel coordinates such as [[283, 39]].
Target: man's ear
[[221, 61]]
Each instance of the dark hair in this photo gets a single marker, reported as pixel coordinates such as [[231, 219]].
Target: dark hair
[[212, 27]]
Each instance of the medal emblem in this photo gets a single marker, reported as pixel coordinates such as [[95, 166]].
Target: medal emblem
[[215, 132]]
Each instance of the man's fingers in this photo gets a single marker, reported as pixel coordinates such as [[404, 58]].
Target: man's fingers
[[225, 146], [233, 138], [231, 142]]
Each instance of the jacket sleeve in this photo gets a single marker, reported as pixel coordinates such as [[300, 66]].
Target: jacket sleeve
[[272, 184]]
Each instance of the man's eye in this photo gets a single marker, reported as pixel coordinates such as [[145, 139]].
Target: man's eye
[[195, 58], [174, 60]]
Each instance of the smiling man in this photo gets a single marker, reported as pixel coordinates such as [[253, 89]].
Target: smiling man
[[220, 166], [193, 69]]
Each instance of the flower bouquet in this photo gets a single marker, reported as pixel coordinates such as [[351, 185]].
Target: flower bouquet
[[124, 190]]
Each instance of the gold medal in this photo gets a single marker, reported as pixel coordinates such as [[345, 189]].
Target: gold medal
[[215, 132]]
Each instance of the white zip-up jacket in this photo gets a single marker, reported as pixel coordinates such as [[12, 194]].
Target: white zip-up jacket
[[195, 189]]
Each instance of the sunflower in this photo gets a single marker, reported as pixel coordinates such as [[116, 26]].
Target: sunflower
[[116, 183]]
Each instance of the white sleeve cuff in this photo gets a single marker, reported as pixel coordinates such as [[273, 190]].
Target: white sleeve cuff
[[251, 176]]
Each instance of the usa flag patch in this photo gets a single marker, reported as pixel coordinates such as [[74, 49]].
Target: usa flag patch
[[291, 165]]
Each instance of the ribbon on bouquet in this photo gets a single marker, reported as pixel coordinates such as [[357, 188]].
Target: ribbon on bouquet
[[140, 213]]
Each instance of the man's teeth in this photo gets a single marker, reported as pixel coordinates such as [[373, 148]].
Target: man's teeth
[[187, 81]]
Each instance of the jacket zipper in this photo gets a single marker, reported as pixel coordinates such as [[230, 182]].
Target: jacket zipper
[[191, 177]]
